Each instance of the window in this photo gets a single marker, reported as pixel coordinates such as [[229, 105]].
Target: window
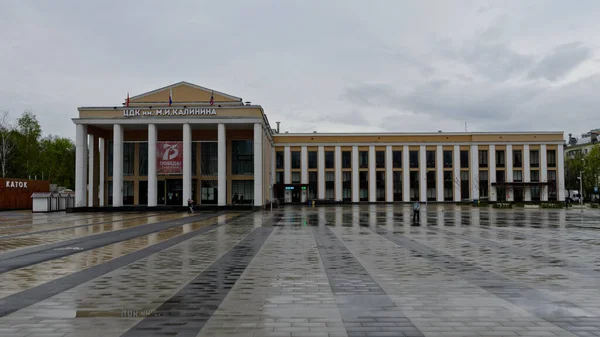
[[551, 157], [448, 186], [397, 186], [346, 159], [347, 186], [380, 185], [551, 175], [128, 192], [517, 158], [143, 159], [517, 175], [194, 157], [295, 177], [464, 185], [430, 159], [242, 157], [534, 158], [208, 191], [483, 184], [295, 159], [329, 160], [500, 176], [312, 159], [414, 185], [413, 159], [447, 159], [279, 178], [535, 193], [313, 185], [535, 175], [110, 162], [279, 159], [431, 192], [329, 185], [363, 159], [363, 192], [128, 159], [244, 189], [483, 158], [397, 159], [464, 159], [552, 185], [380, 159], [500, 158], [209, 164]]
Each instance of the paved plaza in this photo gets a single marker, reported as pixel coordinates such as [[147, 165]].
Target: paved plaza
[[298, 271]]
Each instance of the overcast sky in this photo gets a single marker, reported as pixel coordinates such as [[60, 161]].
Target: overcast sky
[[329, 66]]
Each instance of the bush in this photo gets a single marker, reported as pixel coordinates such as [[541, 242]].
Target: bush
[[553, 205], [502, 205]]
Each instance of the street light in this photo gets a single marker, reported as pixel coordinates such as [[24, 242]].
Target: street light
[[580, 178]]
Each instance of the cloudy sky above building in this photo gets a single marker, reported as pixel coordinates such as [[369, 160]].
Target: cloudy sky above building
[[329, 66]]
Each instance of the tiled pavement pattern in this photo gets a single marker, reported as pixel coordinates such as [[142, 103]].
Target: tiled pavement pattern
[[336, 271]]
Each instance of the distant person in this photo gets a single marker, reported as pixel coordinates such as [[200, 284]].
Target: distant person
[[416, 209], [235, 198], [190, 203], [241, 198]]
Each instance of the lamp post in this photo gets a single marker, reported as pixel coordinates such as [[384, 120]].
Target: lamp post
[[580, 189]]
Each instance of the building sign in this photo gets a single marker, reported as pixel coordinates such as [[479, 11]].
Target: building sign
[[169, 112], [169, 158], [16, 184]]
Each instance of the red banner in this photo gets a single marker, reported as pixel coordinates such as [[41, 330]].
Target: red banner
[[169, 158]]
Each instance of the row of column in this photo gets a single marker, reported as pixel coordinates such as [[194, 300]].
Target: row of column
[[456, 169], [85, 166]]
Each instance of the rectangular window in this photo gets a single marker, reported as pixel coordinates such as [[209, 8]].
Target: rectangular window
[[483, 158], [500, 176], [380, 159], [209, 163], [430, 159], [242, 157], [431, 191], [464, 159], [535, 193], [329, 160], [413, 159], [363, 192], [194, 157], [448, 186], [447, 159], [295, 177], [244, 189], [534, 158], [517, 158], [128, 158], [363, 159], [346, 159], [397, 159], [295, 159], [414, 185], [279, 178], [128, 192], [143, 159], [313, 185], [551, 158], [278, 159], [483, 184], [347, 186], [329, 185], [397, 186], [500, 158], [552, 185], [380, 185], [535, 175], [312, 159], [465, 188], [517, 175]]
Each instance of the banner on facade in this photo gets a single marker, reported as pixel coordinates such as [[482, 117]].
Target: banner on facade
[[169, 158]]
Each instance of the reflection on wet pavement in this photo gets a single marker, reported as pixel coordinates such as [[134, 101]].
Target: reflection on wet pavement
[[334, 271]]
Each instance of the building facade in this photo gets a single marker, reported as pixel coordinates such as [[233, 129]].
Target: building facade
[[185, 141]]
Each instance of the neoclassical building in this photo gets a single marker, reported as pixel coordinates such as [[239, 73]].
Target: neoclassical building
[[185, 141]]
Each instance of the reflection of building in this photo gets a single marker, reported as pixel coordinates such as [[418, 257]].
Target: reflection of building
[[582, 145], [227, 151]]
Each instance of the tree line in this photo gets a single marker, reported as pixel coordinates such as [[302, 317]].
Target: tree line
[[26, 153], [586, 165]]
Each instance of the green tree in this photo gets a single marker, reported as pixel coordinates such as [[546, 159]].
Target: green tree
[[573, 166], [27, 140], [57, 160], [591, 172]]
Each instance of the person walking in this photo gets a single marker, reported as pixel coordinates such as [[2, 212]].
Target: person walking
[[416, 210], [190, 203]]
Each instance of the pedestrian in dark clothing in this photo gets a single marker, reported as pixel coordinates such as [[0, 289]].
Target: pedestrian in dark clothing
[[190, 203], [416, 210]]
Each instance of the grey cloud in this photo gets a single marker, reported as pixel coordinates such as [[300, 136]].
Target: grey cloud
[[561, 61], [495, 61]]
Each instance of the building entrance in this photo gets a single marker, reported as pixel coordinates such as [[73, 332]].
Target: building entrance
[[296, 195]]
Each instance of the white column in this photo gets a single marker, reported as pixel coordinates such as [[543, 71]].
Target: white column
[[187, 163], [492, 172], [117, 165], [510, 193], [287, 165], [560, 173], [80, 167], [422, 174], [405, 174], [338, 173], [474, 167], [526, 173], [258, 165], [355, 195], [372, 175], [273, 168], [389, 174], [152, 180], [321, 171], [456, 170], [543, 172], [304, 170], [92, 147], [222, 163], [101, 159], [439, 172]]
